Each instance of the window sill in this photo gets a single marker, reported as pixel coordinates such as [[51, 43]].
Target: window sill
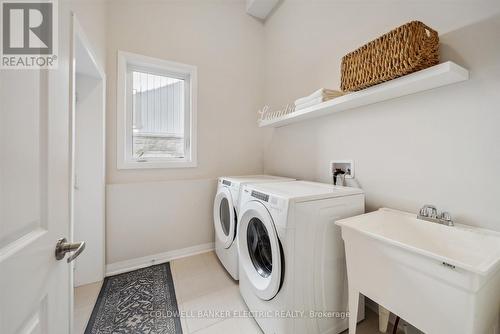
[[156, 164]]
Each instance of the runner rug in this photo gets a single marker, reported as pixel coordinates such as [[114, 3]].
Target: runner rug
[[138, 302]]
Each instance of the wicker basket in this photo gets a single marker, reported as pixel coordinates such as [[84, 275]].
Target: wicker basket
[[404, 50]]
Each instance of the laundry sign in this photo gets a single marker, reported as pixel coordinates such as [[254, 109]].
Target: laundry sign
[[29, 34]]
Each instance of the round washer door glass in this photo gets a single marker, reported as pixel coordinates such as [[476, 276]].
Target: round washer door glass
[[225, 216], [259, 247], [260, 251]]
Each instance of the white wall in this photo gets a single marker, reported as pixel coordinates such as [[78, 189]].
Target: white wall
[[92, 15], [89, 192], [226, 45], [438, 147]]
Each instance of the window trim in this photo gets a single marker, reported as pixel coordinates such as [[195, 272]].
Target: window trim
[[127, 60]]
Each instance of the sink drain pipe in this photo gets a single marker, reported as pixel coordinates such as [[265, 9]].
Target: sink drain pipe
[[396, 324]]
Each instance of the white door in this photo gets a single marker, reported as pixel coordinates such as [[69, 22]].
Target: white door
[[34, 200]]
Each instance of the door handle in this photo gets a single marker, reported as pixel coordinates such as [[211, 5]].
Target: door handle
[[63, 247]]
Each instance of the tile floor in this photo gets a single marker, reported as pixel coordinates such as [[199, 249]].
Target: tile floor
[[201, 283], [85, 298]]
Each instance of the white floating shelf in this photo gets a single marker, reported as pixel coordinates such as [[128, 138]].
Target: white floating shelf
[[436, 76]]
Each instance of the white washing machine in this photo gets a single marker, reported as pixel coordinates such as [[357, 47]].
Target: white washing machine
[[226, 216], [292, 261]]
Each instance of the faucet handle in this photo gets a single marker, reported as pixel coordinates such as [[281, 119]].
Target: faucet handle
[[429, 211], [446, 216]]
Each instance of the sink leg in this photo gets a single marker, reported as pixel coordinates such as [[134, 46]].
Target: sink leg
[[353, 310], [383, 319]]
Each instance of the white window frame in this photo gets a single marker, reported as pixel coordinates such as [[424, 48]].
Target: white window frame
[[128, 61]]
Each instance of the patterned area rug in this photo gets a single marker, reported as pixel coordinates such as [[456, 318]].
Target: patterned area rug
[[138, 302]]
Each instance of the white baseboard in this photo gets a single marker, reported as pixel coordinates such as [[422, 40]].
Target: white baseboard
[[146, 261]]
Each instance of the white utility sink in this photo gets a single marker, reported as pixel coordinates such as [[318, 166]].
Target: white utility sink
[[441, 279]]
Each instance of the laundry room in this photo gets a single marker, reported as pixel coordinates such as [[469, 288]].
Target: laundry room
[[250, 166]]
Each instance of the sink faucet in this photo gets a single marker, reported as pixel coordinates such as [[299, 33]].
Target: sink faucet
[[430, 213]]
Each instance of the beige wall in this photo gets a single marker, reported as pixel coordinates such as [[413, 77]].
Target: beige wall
[[226, 46], [151, 218], [439, 147], [150, 211]]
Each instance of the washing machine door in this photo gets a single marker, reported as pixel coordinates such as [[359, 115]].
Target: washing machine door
[[224, 217], [260, 252]]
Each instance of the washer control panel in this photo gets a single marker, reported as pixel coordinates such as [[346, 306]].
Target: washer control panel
[[259, 195]]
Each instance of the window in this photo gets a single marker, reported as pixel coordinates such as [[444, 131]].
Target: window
[[156, 106]]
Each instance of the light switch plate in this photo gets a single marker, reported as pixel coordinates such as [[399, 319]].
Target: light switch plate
[[346, 165]]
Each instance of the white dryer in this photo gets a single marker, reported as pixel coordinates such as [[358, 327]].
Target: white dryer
[[226, 216], [292, 262]]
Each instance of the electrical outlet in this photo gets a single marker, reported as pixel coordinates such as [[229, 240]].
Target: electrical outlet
[[346, 165]]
